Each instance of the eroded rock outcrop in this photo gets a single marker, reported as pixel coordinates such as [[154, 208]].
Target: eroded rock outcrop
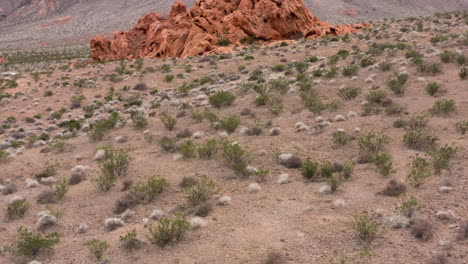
[[199, 30]]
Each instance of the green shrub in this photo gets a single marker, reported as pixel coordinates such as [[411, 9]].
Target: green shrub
[[372, 143], [139, 120], [367, 62], [312, 102], [408, 207], [100, 128], [376, 96], [31, 244], [385, 66], [97, 248], [17, 209], [130, 242], [230, 123], [463, 73], [441, 158], [168, 144], [224, 42], [278, 68], [233, 152], [366, 228], [349, 92], [60, 188], [419, 171], [187, 149], [115, 165], [383, 162], [281, 85], [340, 138], [201, 191], [148, 191], [397, 83], [447, 56], [169, 231], [432, 88], [443, 107], [310, 170], [419, 139], [223, 98], [207, 150], [168, 121], [350, 70], [462, 127]]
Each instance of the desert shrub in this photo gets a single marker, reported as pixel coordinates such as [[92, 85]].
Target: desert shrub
[[169, 231], [130, 242], [30, 244], [97, 248], [167, 144], [347, 171], [385, 66], [372, 143], [419, 139], [334, 182], [187, 149], [115, 165], [349, 92], [207, 150], [139, 120], [4, 156], [100, 128], [462, 127], [278, 68], [188, 182], [443, 107], [463, 73], [367, 62], [311, 101], [394, 188], [376, 96], [149, 190], [419, 172], [447, 56], [422, 229], [397, 83], [17, 209], [168, 121], [125, 202], [60, 188], [350, 70], [230, 123], [340, 138], [383, 162], [201, 191], [223, 98], [428, 67], [366, 228], [224, 42], [280, 85], [416, 122], [441, 157], [310, 170], [408, 207], [50, 169]]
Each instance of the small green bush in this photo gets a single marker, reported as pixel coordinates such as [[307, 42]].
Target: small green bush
[[31, 244], [376, 96], [419, 139], [340, 138], [223, 98], [350, 70], [168, 121], [397, 83], [207, 150], [149, 190], [419, 171], [230, 123], [130, 242], [432, 88], [443, 107], [17, 209], [366, 228], [441, 157], [349, 92], [169, 231], [201, 191], [462, 127], [310, 170], [97, 248]]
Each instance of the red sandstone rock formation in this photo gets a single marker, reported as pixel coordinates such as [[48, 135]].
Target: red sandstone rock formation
[[198, 30]]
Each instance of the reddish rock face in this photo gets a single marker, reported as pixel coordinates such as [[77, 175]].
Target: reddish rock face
[[197, 31]]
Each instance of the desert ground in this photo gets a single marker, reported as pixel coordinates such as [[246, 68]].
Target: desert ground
[[345, 149]]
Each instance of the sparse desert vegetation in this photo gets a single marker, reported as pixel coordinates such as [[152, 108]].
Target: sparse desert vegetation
[[343, 149]]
